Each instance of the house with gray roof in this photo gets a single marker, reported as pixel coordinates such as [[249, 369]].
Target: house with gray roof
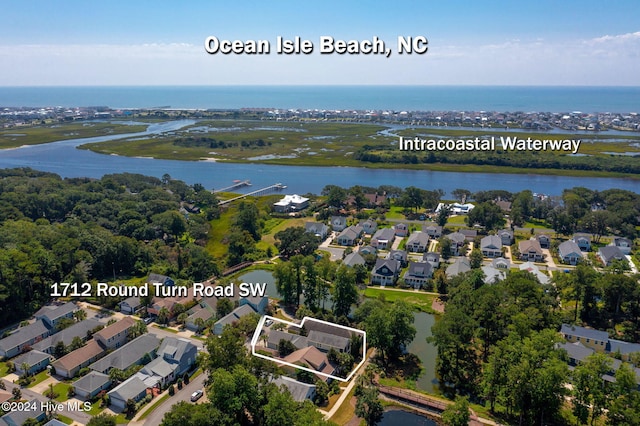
[[327, 341], [195, 313], [91, 384], [385, 272], [401, 229], [35, 361], [533, 269], [51, 314], [349, 236], [418, 274], [544, 240], [133, 353], [383, 238], [624, 244], [299, 391], [506, 236], [469, 234], [491, 246], [353, 259], [318, 229], [232, 317], [460, 266], [338, 223], [367, 250], [493, 275], [175, 356], [624, 349], [70, 364], [115, 335], [608, 254], [132, 388], [458, 241], [569, 252], [162, 279], [399, 255], [501, 263], [418, 242], [80, 329], [19, 417], [530, 250], [22, 338], [433, 259], [583, 241], [369, 226], [433, 231], [258, 303], [130, 305], [589, 337], [274, 337]]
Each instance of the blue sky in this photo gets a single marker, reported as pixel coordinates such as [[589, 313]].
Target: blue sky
[[476, 43]]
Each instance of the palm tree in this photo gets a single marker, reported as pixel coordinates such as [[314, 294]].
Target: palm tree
[[199, 324], [182, 318], [80, 315], [25, 369], [163, 315]]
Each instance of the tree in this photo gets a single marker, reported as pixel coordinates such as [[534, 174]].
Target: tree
[[457, 414], [235, 393], [476, 258], [310, 285], [368, 406], [247, 219], [182, 318], [336, 196], [295, 241], [76, 343], [589, 394], [199, 323], [163, 316], [625, 399], [102, 419], [391, 329], [443, 216], [80, 315], [322, 392], [130, 407], [359, 200], [59, 350], [285, 282], [186, 414], [224, 307], [445, 247], [227, 350], [412, 197], [461, 194], [17, 393], [345, 292]]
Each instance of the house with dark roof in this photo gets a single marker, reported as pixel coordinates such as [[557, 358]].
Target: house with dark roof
[[311, 357], [51, 315], [569, 252], [274, 337], [80, 329], [401, 229], [624, 244], [258, 303], [583, 241], [353, 259], [69, 365], [232, 317], [544, 240], [399, 255], [418, 242], [530, 250], [367, 250], [116, 334], [19, 417], [34, 360], [469, 234], [338, 223], [433, 259], [318, 229], [385, 272], [132, 388], [174, 357], [460, 266], [162, 279], [608, 254], [299, 391], [369, 226], [501, 263], [491, 246], [433, 231], [383, 238], [327, 341], [91, 384], [130, 305], [506, 236], [23, 338], [589, 337], [349, 236], [418, 274], [195, 313], [133, 353], [458, 241]]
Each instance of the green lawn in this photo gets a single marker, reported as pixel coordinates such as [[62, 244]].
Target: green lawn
[[539, 224], [61, 389], [64, 419], [95, 409], [154, 406], [3, 369], [39, 378], [419, 300], [456, 220]]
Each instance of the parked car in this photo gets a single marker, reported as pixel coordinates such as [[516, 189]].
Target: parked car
[[196, 395]]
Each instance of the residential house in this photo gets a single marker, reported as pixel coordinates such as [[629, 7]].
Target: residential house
[[349, 236], [258, 303], [353, 259], [460, 266], [169, 302], [338, 223], [492, 275], [624, 244], [313, 325], [622, 349], [133, 353], [51, 314], [418, 242], [162, 279], [232, 317], [130, 305], [195, 313], [375, 200], [19, 417], [491, 246], [589, 337], [399, 255], [69, 365], [35, 361], [133, 388], [327, 341], [299, 391], [90, 385], [433, 231], [469, 234], [456, 208], [385, 272], [369, 226], [383, 239], [432, 258], [583, 241], [458, 241], [116, 334], [569, 252], [23, 338], [544, 240], [312, 358], [275, 336], [533, 269], [501, 263], [367, 250], [401, 229], [418, 274], [505, 206], [608, 254], [175, 356], [291, 203], [80, 329], [530, 250], [506, 236], [318, 229]]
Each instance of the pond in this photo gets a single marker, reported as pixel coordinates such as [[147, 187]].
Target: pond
[[405, 418]]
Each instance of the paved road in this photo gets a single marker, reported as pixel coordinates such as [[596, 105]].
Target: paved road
[[155, 418]]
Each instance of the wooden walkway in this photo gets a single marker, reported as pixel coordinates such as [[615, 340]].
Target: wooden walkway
[[274, 187]]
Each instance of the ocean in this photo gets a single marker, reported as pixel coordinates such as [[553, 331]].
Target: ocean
[[392, 98]]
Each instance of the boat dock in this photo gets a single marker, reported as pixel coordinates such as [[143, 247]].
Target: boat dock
[[236, 184], [261, 191]]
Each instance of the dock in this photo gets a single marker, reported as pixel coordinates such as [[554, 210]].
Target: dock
[[261, 191], [236, 185]]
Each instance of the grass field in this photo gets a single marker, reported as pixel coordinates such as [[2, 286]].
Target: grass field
[[39, 378], [418, 300], [61, 389]]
